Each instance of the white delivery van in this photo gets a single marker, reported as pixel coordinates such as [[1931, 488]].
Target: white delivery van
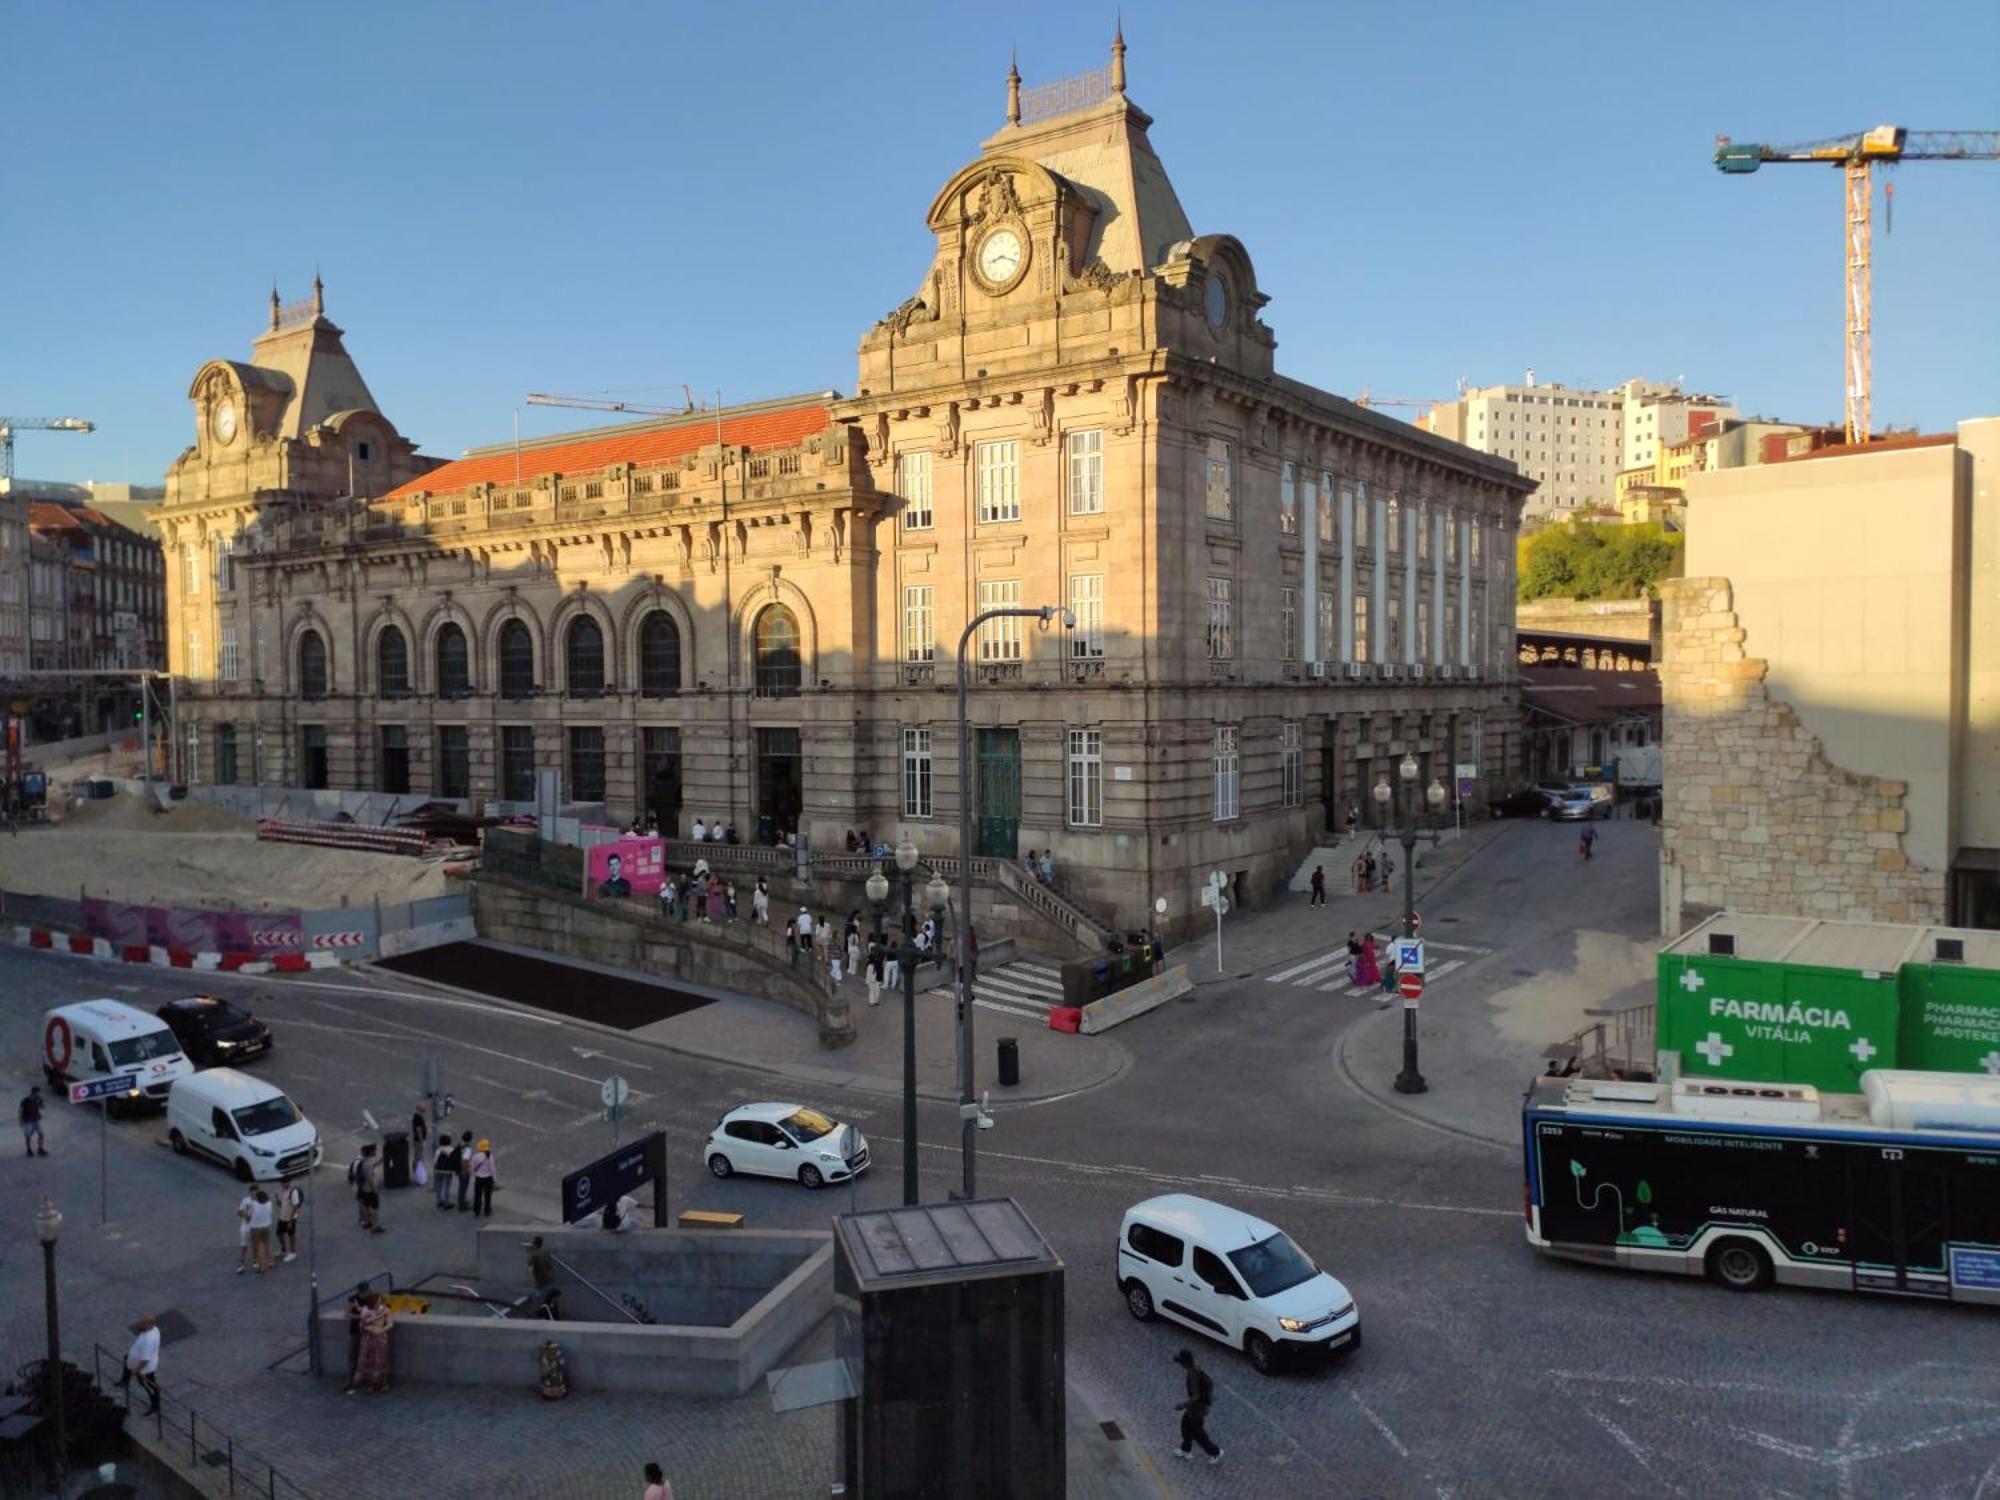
[[248, 1125], [95, 1039]]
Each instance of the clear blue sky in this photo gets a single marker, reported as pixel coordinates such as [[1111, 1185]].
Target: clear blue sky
[[512, 197]]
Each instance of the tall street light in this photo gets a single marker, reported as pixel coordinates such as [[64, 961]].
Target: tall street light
[[1407, 811], [968, 1102], [48, 1226]]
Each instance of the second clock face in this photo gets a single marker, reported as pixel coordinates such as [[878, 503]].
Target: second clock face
[[1001, 255]]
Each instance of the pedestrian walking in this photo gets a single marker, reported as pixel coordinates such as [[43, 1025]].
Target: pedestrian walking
[[1159, 954], [792, 934], [291, 1198], [1194, 1410], [854, 944], [263, 1214], [142, 1363], [482, 1180], [1388, 975], [657, 1487], [729, 900], [31, 1122], [444, 1168], [542, 1266], [667, 897], [1318, 886], [760, 903], [1048, 867], [874, 977], [366, 1175], [243, 1206], [371, 1360], [1366, 970], [464, 1171], [1353, 818], [805, 929], [420, 1132], [1587, 842]]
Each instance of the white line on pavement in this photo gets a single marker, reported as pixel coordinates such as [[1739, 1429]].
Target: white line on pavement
[[456, 1041], [1430, 977], [271, 981], [1388, 1435]]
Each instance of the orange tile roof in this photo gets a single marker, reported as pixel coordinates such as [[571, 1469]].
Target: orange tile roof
[[652, 446]]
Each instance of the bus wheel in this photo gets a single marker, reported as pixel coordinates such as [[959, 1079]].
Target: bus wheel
[[1740, 1265]]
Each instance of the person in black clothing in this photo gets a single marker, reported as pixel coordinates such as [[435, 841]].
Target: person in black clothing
[[420, 1133], [31, 1122], [1194, 1410], [1318, 886]]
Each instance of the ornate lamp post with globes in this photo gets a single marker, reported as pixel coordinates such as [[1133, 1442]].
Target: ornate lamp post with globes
[[1407, 810], [48, 1226], [937, 893]]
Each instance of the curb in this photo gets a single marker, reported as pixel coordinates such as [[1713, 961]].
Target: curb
[[81, 945], [1386, 1101]]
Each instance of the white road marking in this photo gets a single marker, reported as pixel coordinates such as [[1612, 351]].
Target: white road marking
[[276, 982], [623, 1062], [1388, 1434], [455, 1041], [1430, 977]]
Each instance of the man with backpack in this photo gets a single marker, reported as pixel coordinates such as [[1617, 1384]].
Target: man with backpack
[[1194, 1410], [364, 1173]]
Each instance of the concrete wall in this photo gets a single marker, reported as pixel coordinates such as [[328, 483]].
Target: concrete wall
[[1627, 619], [1979, 739]]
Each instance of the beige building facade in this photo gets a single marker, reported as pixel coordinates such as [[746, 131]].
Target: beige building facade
[[754, 614]]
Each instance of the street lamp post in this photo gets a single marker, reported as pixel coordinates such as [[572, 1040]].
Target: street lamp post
[[968, 1111], [1410, 1080], [48, 1225]]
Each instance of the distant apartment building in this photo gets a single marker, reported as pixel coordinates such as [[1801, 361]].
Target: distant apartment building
[[1574, 442], [14, 639], [113, 591]]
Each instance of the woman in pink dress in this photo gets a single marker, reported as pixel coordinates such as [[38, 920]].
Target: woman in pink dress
[[1366, 971], [371, 1362]]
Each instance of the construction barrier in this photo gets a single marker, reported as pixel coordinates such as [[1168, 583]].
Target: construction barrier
[[343, 836]]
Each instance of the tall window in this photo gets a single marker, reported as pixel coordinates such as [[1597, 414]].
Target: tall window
[[191, 571], [913, 483], [1086, 778], [1327, 493], [1086, 601], [1451, 630], [1228, 774], [395, 747], [659, 655], [230, 665], [225, 563], [1450, 537], [392, 663], [1393, 518], [1423, 629], [916, 773], [1288, 499], [1363, 515], [1423, 532], [1294, 746], [312, 665], [1361, 627], [1221, 619], [1086, 472], [1218, 497], [454, 664], [1392, 640], [196, 665], [517, 663], [312, 757], [225, 755], [1288, 622], [583, 660], [1329, 620], [1472, 540], [586, 762], [775, 649], [1000, 640], [919, 623], [454, 762], [517, 762], [997, 468]]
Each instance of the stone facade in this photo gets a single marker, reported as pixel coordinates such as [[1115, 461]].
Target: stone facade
[[1757, 818]]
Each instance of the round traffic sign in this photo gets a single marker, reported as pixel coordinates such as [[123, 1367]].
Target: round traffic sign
[[614, 1092], [1411, 985], [1218, 879], [1160, 905]]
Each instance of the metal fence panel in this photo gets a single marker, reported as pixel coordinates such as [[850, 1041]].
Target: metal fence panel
[[345, 931]]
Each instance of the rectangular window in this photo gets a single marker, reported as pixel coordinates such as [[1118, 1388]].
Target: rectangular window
[[1219, 499], [1392, 640], [1288, 622], [919, 623], [225, 563], [1423, 533], [1000, 640], [1086, 472], [1450, 538], [1086, 602], [312, 757], [454, 762], [1423, 630], [1086, 778], [916, 773], [191, 571], [229, 663], [1288, 499], [1393, 518], [1361, 627], [1221, 619], [395, 744], [194, 662], [1326, 507], [1294, 744], [1451, 631], [517, 763], [1227, 775], [1329, 632], [1474, 540], [586, 763], [998, 469], [913, 483], [1363, 515], [225, 755]]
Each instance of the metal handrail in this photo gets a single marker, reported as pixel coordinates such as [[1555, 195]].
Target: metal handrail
[[223, 1451], [593, 1286]]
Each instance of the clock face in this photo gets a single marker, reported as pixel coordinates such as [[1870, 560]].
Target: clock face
[[1215, 301], [1001, 256], [225, 421]]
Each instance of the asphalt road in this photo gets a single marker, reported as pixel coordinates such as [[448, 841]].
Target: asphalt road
[[1486, 1371]]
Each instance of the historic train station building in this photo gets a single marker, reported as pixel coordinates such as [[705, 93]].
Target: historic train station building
[[755, 614]]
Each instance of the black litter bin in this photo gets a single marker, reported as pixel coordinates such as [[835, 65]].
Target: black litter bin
[[1010, 1062], [395, 1158]]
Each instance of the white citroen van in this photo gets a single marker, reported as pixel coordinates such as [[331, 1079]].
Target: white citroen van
[[248, 1125], [95, 1039], [1233, 1277]]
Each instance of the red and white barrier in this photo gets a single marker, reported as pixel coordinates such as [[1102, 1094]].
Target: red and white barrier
[[85, 946]]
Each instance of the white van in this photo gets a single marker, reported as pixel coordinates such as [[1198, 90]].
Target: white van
[[1234, 1277], [95, 1039], [248, 1125]]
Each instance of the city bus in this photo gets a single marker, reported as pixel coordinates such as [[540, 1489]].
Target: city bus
[[1895, 1189]]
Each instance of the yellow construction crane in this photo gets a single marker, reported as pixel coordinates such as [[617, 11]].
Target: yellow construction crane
[[10, 425], [1370, 399], [1857, 156]]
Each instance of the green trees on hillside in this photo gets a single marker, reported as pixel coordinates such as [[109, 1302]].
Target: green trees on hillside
[[1582, 560]]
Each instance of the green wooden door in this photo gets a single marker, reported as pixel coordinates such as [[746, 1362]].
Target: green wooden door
[[999, 804]]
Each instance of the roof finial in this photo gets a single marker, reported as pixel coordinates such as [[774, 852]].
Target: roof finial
[[1118, 56], [319, 295], [274, 302], [1013, 88]]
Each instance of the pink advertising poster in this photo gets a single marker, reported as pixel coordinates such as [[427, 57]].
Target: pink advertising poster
[[630, 866]]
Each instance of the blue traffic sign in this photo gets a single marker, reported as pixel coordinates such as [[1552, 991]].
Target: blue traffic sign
[[103, 1088]]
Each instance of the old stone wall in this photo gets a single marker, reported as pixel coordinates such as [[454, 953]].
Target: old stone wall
[[1756, 818]]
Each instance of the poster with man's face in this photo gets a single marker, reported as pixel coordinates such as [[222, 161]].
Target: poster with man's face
[[628, 866]]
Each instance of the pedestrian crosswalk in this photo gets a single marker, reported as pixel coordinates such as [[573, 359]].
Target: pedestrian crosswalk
[[1022, 988], [1327, 973]]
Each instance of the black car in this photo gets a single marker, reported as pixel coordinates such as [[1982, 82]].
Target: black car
[[213, 1031], [1529, 802]]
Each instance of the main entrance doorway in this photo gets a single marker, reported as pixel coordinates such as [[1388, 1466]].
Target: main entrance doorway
[[779, 783], [999, 804]]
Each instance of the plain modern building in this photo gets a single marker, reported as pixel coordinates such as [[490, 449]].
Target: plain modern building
[[755, 614], [1832, 687]]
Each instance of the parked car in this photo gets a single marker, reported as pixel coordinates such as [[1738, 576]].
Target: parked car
[[213, 1031], [250, 1126], [1577, 804], [1232, 1276], [1529, 802], [786, 1140]]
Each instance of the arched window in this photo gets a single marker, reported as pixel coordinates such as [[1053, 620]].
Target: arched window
[[775, 647], [454, 664], [583, 658], [517, 660], [312, 665], [392, 663], [659, 656]]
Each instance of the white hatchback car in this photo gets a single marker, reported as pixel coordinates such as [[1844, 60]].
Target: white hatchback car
[[786, 1140], [1233, 1277]]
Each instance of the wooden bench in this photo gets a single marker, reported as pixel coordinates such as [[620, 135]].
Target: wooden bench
[[708, 1218]]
